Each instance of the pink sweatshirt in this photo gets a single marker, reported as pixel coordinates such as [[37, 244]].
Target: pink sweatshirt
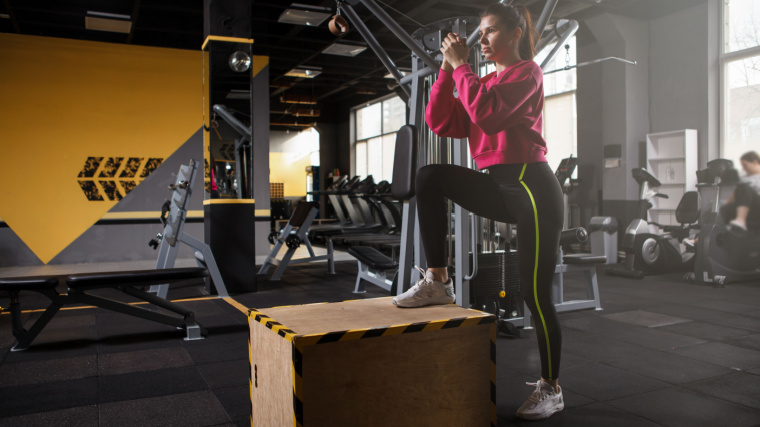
[[501, 115]]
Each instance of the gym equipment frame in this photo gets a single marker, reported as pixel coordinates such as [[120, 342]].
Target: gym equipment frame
[[299, 222], [173, 216]]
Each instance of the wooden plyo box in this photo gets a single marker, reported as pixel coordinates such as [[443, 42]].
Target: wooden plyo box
[[370, 363]]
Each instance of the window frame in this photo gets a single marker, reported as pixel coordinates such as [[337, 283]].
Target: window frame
[[724, 60], [381, 135]]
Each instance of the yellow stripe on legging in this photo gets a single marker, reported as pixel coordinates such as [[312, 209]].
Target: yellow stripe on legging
[[535, 275]]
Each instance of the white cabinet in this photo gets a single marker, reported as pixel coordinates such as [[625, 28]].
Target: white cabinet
[[672, 158]]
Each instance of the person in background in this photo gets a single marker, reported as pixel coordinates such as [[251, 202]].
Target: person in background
[[743, 206]]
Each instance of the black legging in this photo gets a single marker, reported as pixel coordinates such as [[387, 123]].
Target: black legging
[[744, 195], [526, 194]]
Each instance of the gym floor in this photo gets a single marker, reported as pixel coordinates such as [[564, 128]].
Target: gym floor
[[661, 352]]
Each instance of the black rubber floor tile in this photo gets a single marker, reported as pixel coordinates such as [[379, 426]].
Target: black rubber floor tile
[[186, 409], [655, 339], [717, 317], [738, 387], [676, 406], [137, 341], [143, 360], [668, 367], [706, 331], [600, 348], [226, 374], [236, 401], [220, 351], [645, 318], [751, 342], [51, 396], [70, 321], [138, 385], [602, 382], [596, 414], [80, 417], [43, 371], [722, 354], [54, 347]]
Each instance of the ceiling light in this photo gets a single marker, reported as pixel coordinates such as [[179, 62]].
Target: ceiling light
[[403, 71], [4, 16], [298, 99], [345, 49], [304, 14], [112, 22], [305, 72], [304, 112], [238, 94]]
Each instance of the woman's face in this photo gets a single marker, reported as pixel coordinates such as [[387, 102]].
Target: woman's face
[[495, 40], [751, 168]]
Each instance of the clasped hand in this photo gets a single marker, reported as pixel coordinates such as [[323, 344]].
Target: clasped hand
[[455, 52]]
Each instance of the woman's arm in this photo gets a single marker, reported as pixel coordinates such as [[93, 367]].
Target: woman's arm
[[499, 107], [445, 114]]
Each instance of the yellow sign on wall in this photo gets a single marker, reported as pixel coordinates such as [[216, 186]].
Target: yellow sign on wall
[[65, 101]]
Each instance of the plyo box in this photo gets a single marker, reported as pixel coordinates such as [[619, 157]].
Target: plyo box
[[370, 363]]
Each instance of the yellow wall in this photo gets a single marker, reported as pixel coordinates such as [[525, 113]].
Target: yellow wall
[[290, 169], [66, 100]]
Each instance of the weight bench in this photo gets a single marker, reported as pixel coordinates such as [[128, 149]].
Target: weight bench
[[374, 267], [129, 282]]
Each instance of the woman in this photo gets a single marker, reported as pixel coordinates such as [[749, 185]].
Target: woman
[[501, 114], [743, 206]]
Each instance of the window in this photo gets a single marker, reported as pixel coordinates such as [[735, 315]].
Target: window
[[560, 114], [375, 137], [740, 63]]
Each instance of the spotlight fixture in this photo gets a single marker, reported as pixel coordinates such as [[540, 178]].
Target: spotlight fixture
[[112, 22], [304, 14], [305, 72], [345, 49], [240, 61]]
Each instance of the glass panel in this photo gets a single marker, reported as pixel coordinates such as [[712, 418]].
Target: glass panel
[[561, 81], [361, 158], [389, 148], [742, 108], [394, 114], [375, 158], [742, 26], [560, 128], [368, 121]]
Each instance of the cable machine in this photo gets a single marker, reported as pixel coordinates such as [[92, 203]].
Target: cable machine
[[425, 46]]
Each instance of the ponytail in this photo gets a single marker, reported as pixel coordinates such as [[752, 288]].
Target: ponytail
[[514, 16]]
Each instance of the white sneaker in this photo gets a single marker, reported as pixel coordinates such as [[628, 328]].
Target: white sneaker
[[542, 403], [426, 291]]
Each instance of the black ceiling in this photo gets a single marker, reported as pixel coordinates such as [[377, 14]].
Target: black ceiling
[[179, 24]]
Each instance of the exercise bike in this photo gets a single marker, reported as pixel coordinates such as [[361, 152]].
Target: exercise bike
[[647, 252], [723, 256]]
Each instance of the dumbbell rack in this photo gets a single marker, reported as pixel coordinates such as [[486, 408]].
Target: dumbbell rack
[[173, 217]]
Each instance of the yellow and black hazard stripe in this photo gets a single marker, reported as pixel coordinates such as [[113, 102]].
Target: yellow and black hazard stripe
[[493, 376], [301, 341]]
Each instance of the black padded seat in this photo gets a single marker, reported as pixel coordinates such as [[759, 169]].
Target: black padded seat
[[584, 259], [87, 281], [15, 284], [372, 257]]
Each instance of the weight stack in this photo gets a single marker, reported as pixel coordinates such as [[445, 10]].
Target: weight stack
[[497, 284]]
